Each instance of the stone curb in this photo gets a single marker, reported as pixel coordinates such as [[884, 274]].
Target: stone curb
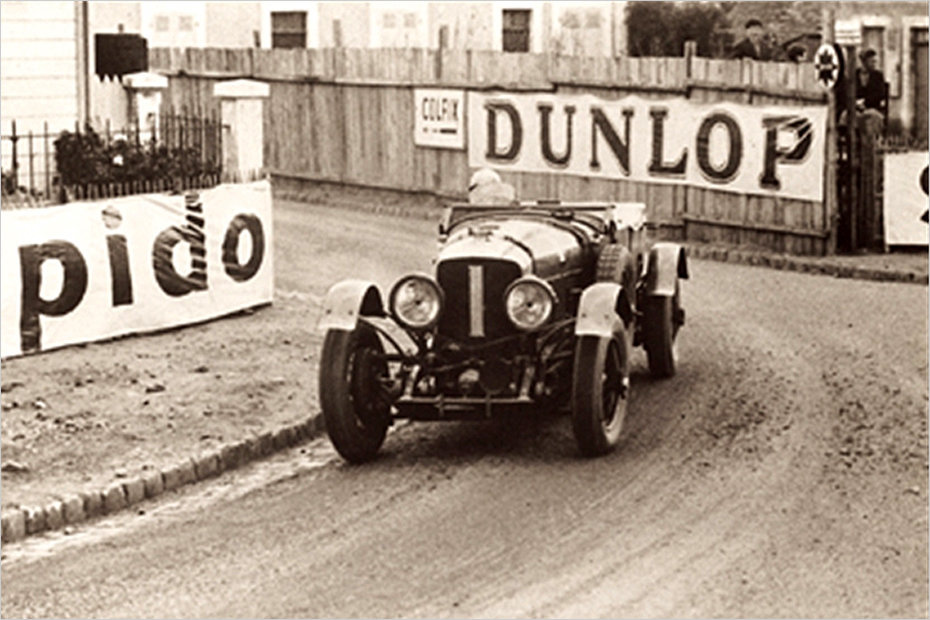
[[70, 509], [784, 262], [787, 262]]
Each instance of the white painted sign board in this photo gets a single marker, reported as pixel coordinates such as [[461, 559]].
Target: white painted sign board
[[89, 271], [439, 118], [848, 33], [905, 198]]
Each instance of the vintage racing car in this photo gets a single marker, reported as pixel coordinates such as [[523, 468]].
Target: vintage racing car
[[531, 306]]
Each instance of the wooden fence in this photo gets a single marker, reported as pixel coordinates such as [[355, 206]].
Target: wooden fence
[[346, 116]]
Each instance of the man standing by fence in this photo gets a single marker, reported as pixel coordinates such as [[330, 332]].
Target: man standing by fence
[[870, 84], [753, 46]]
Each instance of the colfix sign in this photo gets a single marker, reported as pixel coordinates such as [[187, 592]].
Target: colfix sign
[[88, 271], [767, 150], [439, 118]]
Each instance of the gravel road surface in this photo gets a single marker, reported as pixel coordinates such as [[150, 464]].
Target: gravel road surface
[[782, 472]]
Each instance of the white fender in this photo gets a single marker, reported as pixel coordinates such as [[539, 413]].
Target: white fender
[[346, 301], [597, 310]]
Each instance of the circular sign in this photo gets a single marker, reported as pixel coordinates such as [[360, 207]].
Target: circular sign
[[827, 65]]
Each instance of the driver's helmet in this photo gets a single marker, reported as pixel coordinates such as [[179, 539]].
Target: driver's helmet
[[486, 187]]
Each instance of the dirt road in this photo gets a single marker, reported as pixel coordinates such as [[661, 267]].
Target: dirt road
[[782, 472]]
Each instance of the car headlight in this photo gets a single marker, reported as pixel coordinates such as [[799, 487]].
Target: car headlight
[[529, 302], [416, 301]]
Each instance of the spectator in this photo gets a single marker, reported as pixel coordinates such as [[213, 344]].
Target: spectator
[[753, 46], [797, 53], [870, 84]]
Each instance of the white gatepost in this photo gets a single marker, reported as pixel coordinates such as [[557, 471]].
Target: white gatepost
[[241, 109], [145, 101]]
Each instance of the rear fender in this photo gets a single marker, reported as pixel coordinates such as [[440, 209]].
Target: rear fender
[[348, 300], [603, 310], [667, 262]]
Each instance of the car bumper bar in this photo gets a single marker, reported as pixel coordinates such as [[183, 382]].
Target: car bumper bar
[[458, 408]]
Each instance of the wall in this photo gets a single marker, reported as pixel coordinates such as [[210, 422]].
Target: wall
[[109, 16], [354, 19], [583, 29], [39, 70], [40, 83], [468, 24], [174, 23], [353, 124], [232, 24]]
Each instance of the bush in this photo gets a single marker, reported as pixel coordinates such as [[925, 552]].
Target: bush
[[84, 158]]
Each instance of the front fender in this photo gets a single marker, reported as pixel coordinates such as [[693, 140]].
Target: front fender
[[667, 262], [603, 310], [346, 301]]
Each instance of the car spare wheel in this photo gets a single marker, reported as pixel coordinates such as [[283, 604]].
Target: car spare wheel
[[662, 320], [615, 264], [355, 409], [600, 390]]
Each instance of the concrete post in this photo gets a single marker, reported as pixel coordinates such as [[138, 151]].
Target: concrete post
[[145, 91], [241, 111]]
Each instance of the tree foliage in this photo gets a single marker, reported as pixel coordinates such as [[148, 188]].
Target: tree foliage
[[661, 28]]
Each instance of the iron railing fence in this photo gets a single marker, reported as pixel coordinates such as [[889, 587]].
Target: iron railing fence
[[179, 151]]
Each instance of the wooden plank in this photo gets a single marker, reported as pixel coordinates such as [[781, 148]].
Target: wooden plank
[[675, 72], [454, 66]]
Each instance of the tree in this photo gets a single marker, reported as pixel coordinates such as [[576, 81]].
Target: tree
[[661, 28]]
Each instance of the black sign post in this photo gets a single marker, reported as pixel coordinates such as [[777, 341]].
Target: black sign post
[[853, 159]]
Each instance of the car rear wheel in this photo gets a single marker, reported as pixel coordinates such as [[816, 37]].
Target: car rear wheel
[[600, 389], [662, 320], [351, 394]]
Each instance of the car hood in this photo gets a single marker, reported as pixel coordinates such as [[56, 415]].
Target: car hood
[[536, 246]]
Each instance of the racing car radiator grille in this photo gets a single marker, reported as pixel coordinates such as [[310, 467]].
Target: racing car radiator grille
[[474, 298]]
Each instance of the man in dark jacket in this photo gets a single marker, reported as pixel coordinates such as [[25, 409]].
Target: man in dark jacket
[[753, 46], [870, 83]]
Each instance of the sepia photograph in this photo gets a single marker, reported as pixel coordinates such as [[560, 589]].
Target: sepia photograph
[[454, 309]]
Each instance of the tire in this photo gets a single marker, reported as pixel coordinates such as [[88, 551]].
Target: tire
[[356, 416], [661, 328], [600, 391]]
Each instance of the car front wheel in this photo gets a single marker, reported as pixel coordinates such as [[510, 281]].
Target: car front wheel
[[352, 398], [600, 389]]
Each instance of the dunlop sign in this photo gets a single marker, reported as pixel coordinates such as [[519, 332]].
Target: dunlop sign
[[767, 150]]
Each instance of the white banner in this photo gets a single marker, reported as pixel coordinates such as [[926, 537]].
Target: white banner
[[767, 150], [88, 271], [439, 118], [905, 198]]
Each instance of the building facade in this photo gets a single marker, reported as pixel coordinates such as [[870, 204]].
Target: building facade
[[581, 28]]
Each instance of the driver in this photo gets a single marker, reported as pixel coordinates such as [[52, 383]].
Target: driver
[[486, 188]]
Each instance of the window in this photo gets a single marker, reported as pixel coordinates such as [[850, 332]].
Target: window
[[289, 29], [162, 23], [516, 30], [390, 20], [186, 23], [410, 20]]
